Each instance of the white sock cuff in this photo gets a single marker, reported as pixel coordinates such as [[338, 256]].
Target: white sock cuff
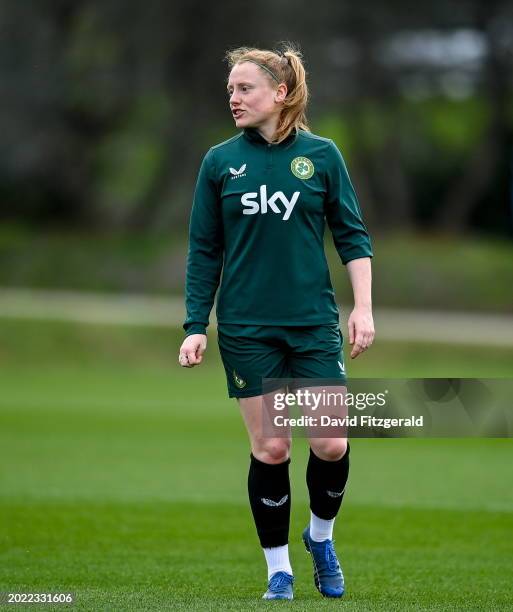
[[277, 559], [321, 529]]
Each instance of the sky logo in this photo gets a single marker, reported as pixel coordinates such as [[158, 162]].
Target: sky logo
[[252, 206]]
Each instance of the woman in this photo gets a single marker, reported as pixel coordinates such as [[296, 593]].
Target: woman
[[260, 206]]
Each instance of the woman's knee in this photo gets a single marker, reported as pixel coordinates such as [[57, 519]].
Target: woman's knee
[[329, 449], [271, 450]]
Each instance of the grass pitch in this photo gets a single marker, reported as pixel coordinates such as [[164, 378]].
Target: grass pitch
[[123, 481]]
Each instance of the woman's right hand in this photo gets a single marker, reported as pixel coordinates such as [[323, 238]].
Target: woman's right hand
[[192, 349]]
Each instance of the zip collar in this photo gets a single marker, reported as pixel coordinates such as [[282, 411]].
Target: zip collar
[[254, 136]]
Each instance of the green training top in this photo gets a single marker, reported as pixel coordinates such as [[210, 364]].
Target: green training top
[[258, 216]]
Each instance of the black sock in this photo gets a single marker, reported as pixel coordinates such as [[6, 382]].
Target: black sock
[[269, 497], [326, 481]]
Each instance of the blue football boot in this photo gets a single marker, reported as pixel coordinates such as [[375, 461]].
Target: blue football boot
[[280, 586], [328, 576]]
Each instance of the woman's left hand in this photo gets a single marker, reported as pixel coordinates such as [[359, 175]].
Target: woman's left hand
[[361, 330]]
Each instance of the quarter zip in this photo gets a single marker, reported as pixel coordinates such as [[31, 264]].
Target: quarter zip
[[269, 156]]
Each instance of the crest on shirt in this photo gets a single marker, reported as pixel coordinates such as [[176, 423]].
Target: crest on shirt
[[238, 173], [302, 167]]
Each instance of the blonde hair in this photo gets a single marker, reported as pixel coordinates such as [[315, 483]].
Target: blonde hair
[[280, 66]]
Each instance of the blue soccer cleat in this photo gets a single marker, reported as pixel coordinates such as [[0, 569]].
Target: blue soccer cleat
[[328, 576], [280, 586]]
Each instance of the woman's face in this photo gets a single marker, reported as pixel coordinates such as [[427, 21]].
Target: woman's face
[[253, 100]]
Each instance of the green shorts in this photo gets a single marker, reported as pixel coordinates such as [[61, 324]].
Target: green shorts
[[251, 353]]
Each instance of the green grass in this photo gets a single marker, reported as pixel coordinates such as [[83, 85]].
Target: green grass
[[122, 480], [46, 342], [439, 272], [409, 270]]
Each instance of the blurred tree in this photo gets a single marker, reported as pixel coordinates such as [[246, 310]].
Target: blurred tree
[[491, 155], [108, 107]]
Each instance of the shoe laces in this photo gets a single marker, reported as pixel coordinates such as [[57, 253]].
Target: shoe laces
[[279, 580], [331, 557]]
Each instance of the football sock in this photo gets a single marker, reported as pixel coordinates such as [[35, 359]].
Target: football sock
[[321, 529], [277, 560], [326, 481], [269, 497]]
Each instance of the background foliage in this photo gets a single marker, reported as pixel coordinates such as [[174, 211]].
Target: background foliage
[[108, 107]]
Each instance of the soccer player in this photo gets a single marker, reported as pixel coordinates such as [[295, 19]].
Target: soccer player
[[260, 206]]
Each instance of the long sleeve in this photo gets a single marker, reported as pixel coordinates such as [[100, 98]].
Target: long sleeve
[[342, 210], [205, 252]]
